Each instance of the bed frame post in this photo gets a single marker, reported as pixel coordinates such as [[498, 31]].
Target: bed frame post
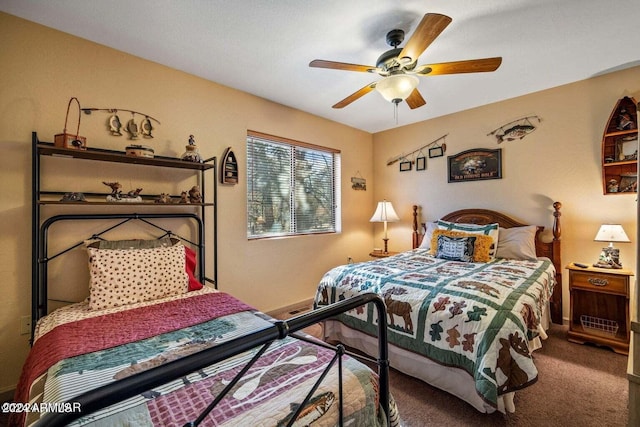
[[415, 235], [556, 298]]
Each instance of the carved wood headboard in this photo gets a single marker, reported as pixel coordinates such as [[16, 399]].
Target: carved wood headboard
[[550, 249]]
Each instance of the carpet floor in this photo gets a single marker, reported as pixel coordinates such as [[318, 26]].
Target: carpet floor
[[578, 385]]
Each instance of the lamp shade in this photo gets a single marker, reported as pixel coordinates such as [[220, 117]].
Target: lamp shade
[[397, 87], [611, 233], [384, 213]]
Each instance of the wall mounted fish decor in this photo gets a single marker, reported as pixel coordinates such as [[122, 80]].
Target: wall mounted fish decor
[[516, 129], [134, 129]]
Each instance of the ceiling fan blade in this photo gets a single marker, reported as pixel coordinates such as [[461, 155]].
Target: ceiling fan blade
[[457, 67], [356, 95], [415, 100], [345, 66], [428, 29]]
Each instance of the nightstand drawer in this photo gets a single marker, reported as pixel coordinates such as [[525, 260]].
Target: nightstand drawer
[[599, 282]]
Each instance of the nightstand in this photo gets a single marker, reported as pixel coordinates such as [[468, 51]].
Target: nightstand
[[382, 254], [599, 307]]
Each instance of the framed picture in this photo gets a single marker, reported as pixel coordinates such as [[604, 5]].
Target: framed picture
[[405, 166], [436, 152], [358, 183], [475, 165], [421, 163]]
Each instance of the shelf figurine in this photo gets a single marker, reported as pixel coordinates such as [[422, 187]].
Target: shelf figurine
[[192, 154]]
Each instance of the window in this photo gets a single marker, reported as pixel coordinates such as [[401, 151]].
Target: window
[[292, 187]]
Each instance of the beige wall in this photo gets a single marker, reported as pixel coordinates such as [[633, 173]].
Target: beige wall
[[42, 69], [559, 161]]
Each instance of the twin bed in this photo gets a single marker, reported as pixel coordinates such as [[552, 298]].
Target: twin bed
[[466, 307], [152, 345], [463, 316]]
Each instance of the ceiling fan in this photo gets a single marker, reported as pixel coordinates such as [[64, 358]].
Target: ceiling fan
[[399, 66]]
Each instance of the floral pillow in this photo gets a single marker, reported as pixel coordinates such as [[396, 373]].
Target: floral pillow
[[481, 244], [119, 276]]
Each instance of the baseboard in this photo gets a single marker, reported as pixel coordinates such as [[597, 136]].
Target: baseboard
[[292, 309]]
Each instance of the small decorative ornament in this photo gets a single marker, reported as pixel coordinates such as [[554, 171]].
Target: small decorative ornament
[[195, 196], [516, 129], [135, 150], [73, 197], [68, 140], [163, 198], [115, 125], [146, 127], [132, 128], [184, 198], [192, 154]]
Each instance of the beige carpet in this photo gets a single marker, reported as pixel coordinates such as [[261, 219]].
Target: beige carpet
[[578, 385]]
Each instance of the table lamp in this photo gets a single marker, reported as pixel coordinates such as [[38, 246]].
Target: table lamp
[[610, 256], [385, 213]]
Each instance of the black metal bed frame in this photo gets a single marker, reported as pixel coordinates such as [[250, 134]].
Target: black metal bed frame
[[40, 283], [136, 384], [110, 394]]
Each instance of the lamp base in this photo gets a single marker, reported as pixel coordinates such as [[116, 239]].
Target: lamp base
[[386, 251], [609, 258]]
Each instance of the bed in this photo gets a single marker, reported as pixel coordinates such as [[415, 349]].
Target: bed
[[464, 313], [152, 345]]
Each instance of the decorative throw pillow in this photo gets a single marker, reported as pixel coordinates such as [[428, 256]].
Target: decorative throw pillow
[[454, 248], [481, 247], [517, 243], [426, 239], [119, 277], [190, 255], [190, 265], [488, 230]]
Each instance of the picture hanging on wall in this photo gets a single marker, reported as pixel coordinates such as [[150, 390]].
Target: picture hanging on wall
[[358, 183], [436, 152], [475, 165], [421, 163], [405, 166]]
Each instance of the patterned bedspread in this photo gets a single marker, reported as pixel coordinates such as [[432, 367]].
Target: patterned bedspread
[[475, 316], [79, 355]]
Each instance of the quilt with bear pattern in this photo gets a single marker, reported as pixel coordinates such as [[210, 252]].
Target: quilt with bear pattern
[[478, 317]]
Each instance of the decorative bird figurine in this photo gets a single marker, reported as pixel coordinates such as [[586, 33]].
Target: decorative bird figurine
[[116, 188]]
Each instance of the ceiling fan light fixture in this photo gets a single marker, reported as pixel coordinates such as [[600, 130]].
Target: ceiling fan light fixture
[[397, 87]]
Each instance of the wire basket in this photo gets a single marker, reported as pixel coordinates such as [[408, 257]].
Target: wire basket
[[599, 326]]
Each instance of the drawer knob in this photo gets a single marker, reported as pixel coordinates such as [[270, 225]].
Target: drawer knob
[[596, 281]]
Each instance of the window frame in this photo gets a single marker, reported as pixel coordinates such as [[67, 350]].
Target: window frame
[[293, 145]]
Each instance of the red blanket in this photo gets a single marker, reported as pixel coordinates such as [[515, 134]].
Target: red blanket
[[98, 333]]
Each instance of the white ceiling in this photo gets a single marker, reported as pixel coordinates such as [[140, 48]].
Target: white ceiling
[[263, 47]]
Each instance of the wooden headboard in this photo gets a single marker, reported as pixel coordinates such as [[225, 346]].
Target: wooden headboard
[[550, 249]]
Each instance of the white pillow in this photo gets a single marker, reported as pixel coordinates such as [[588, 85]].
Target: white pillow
[[119, 276], [487, 229], [517, 243], [428, 234]]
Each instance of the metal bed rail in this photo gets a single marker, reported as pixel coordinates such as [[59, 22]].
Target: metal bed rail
[[115, 392]]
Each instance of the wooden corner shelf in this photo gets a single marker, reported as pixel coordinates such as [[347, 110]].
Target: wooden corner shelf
[[620, 149]]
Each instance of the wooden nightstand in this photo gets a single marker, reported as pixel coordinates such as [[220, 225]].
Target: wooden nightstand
[[381, 254], [599, 307]]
